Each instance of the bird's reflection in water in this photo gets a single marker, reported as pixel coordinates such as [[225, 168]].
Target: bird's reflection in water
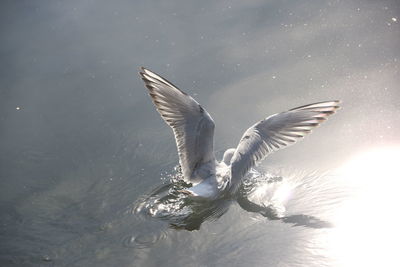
[[167, 203], [271, 213]]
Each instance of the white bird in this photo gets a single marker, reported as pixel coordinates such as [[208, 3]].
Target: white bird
[[193, 128]]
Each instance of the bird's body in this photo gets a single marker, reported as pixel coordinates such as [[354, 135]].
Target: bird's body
[[214, 185], [193, 128]]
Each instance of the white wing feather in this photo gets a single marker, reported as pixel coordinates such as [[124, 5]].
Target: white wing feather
[[275, 132], [193, 127]]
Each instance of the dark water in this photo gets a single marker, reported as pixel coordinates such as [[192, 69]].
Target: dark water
[[86, 163]]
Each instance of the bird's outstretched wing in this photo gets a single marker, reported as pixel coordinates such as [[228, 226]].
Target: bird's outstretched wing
[[193, 127], [276, 132]]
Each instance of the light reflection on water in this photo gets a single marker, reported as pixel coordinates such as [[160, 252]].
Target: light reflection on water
[[367, 230], [349, 215]]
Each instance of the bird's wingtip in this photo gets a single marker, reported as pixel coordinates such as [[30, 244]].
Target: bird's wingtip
[[337, 102], [142, 70]]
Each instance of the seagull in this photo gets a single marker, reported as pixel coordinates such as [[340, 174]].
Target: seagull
[[193, 129]]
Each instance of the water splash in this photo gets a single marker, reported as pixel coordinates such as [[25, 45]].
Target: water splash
[[297, 198], [167, 203], [293, 199]]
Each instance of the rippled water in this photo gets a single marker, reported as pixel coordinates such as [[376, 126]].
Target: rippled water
[[88, 172]]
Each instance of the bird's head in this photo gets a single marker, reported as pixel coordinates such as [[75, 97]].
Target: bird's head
[[228, 156]]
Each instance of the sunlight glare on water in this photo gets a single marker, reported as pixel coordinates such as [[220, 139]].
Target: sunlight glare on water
[[367, 231]]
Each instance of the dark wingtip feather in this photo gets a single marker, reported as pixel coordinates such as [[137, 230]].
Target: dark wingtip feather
[[142, 71]]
